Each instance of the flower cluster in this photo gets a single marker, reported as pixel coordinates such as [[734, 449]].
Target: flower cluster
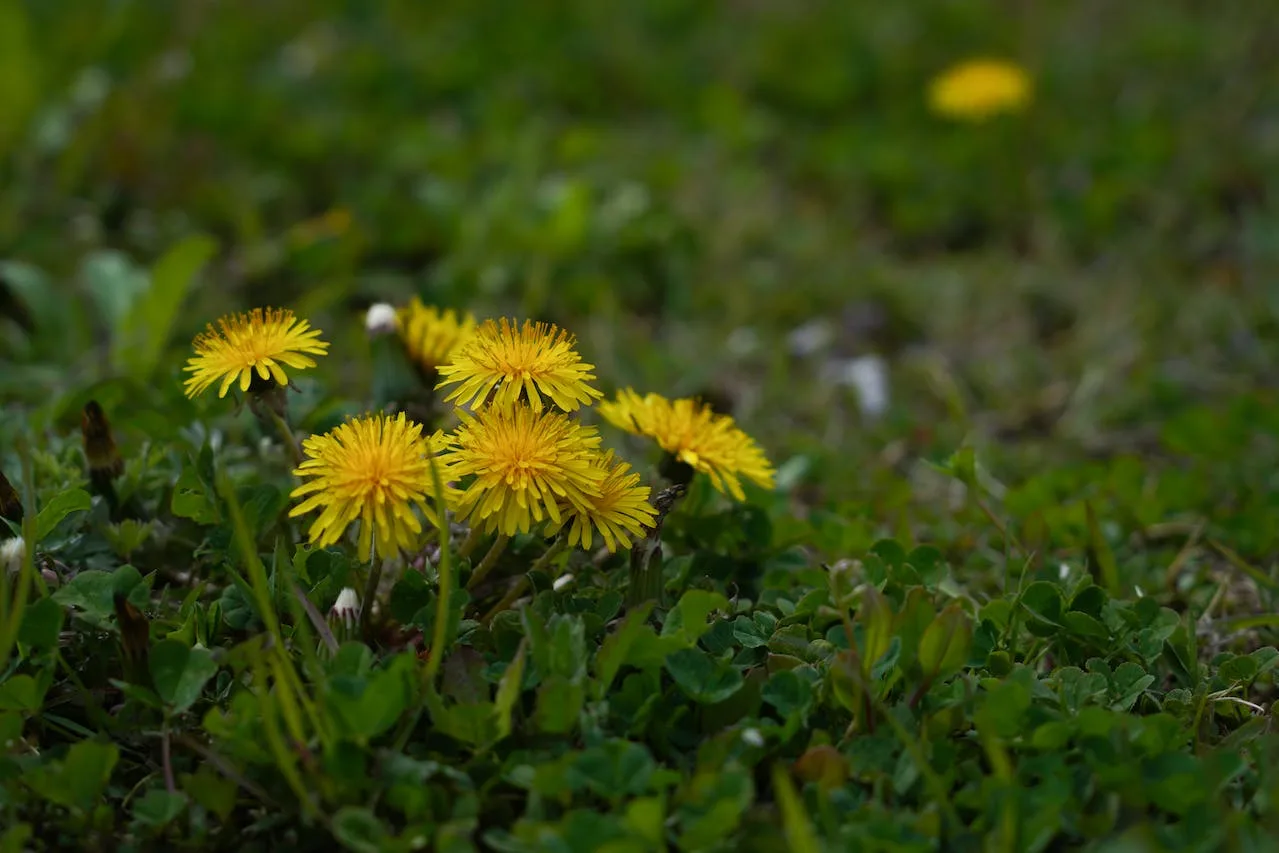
[[524, 457], [519, 459]]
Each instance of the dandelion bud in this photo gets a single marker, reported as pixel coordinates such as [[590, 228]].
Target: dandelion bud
[[10, 504], [344, 615], [380, 319], [100, 451], [12, 552], [135, 637]]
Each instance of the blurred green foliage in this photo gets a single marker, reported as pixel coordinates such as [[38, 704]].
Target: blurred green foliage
[[1030, 606]]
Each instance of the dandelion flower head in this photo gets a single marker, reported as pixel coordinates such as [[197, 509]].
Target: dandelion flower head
[[694, 434], [374, 470], [621, 512], [978, 89], [525, 464], [261, 343], [532, 361], [432, 336]]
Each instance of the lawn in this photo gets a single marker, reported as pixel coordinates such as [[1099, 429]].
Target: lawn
[[951, 523]]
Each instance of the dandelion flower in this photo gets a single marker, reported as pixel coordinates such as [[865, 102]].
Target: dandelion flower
[[373, 469], [261, 342], [432, 336], [694, 434], [620, 513], [525, 465], [508, 361], [978, 89]]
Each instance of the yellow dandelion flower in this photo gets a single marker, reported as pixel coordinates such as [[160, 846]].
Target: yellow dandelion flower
[[508, 361], [261, 342], [525, 464], [694, 434], [430, 335], [621, 512], [978, 89], [627, 411], [374, 470]]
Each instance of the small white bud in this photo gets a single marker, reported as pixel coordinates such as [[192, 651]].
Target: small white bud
[[380, 319], [752, 737], [562, 581], [12, 552], [347, 608]]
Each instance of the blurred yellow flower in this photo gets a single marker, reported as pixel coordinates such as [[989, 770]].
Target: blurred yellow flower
[[978, 89], [510, 362], [621, 512], [374, 470], [525, 464], [694, 434], [261, 342], [430, 335]]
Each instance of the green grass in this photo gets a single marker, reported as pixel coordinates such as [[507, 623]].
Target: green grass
[[1031, 607]]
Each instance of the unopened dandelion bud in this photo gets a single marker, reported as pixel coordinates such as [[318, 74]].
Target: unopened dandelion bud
[[99, 444], [10, 503], [380, 319], [344, 615], [12, 552]]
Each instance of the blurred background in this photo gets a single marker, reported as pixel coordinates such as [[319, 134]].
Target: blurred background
[[748, 200]]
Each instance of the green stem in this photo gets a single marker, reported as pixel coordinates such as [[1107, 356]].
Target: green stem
[[517, 588], [490, 560], [468, 544], [646, 579], [370, 592], [443, 596], [286, 435]]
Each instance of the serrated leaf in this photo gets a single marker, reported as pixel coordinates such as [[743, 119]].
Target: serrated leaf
[[616, 646], [58, 508], [946, 643], [876, 618], [508, 692], [559, 702]]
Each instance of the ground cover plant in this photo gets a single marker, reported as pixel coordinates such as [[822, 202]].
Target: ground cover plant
[[653, 426]]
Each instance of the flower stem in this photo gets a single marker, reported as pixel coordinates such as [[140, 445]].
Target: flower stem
[[517, 588], [468, 544], [646, 574], [286, 435], [370, 591], [490, 560]]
